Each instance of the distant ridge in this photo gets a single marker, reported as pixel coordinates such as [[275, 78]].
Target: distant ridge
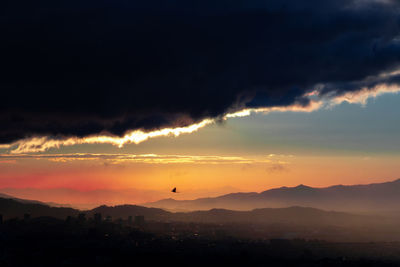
[[289, 215], [29, 201], [10, 208], [274, 205], [21, 200], [376, 198]]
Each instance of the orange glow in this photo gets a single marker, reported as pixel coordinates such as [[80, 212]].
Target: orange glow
[[105, 179]]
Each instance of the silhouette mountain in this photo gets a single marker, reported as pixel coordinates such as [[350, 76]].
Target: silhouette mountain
[[29, 201], [123, 211], [11, 208], [377, 198], [290, 215], [372, 197]]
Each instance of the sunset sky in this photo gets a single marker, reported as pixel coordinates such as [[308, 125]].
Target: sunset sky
[[119, 103]]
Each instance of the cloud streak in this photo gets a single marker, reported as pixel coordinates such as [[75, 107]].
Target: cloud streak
[[41, 144], [141, 158]]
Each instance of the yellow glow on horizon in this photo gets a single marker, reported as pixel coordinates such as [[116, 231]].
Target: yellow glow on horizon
[[140, 181]]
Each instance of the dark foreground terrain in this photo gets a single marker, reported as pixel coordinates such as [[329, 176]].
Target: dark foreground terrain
[[46, 241]]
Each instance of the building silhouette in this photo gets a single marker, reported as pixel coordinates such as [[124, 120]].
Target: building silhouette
[[81, 217], [68, 219], [139, 220], [27, 217], [97, 218]]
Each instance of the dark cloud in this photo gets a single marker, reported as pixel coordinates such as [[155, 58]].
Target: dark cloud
[[80, 67], [277, 167]]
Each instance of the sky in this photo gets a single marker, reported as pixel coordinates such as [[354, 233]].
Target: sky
[[111, 102]]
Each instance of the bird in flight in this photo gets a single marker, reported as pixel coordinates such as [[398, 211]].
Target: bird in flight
[[174, 190]]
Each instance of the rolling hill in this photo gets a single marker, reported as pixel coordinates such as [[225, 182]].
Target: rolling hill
[[10, 208]]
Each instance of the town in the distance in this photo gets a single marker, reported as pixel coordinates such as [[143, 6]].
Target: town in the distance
[[348, 225]]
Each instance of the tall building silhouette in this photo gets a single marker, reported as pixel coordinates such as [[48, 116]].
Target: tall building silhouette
[[97, 217], [139, 220], [82, 217], [27, 217]]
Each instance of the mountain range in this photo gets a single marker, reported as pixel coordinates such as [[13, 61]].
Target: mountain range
[[285, 204], [10, 208], [375, 198], [29, 201], [304, 218], [16, 208]]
